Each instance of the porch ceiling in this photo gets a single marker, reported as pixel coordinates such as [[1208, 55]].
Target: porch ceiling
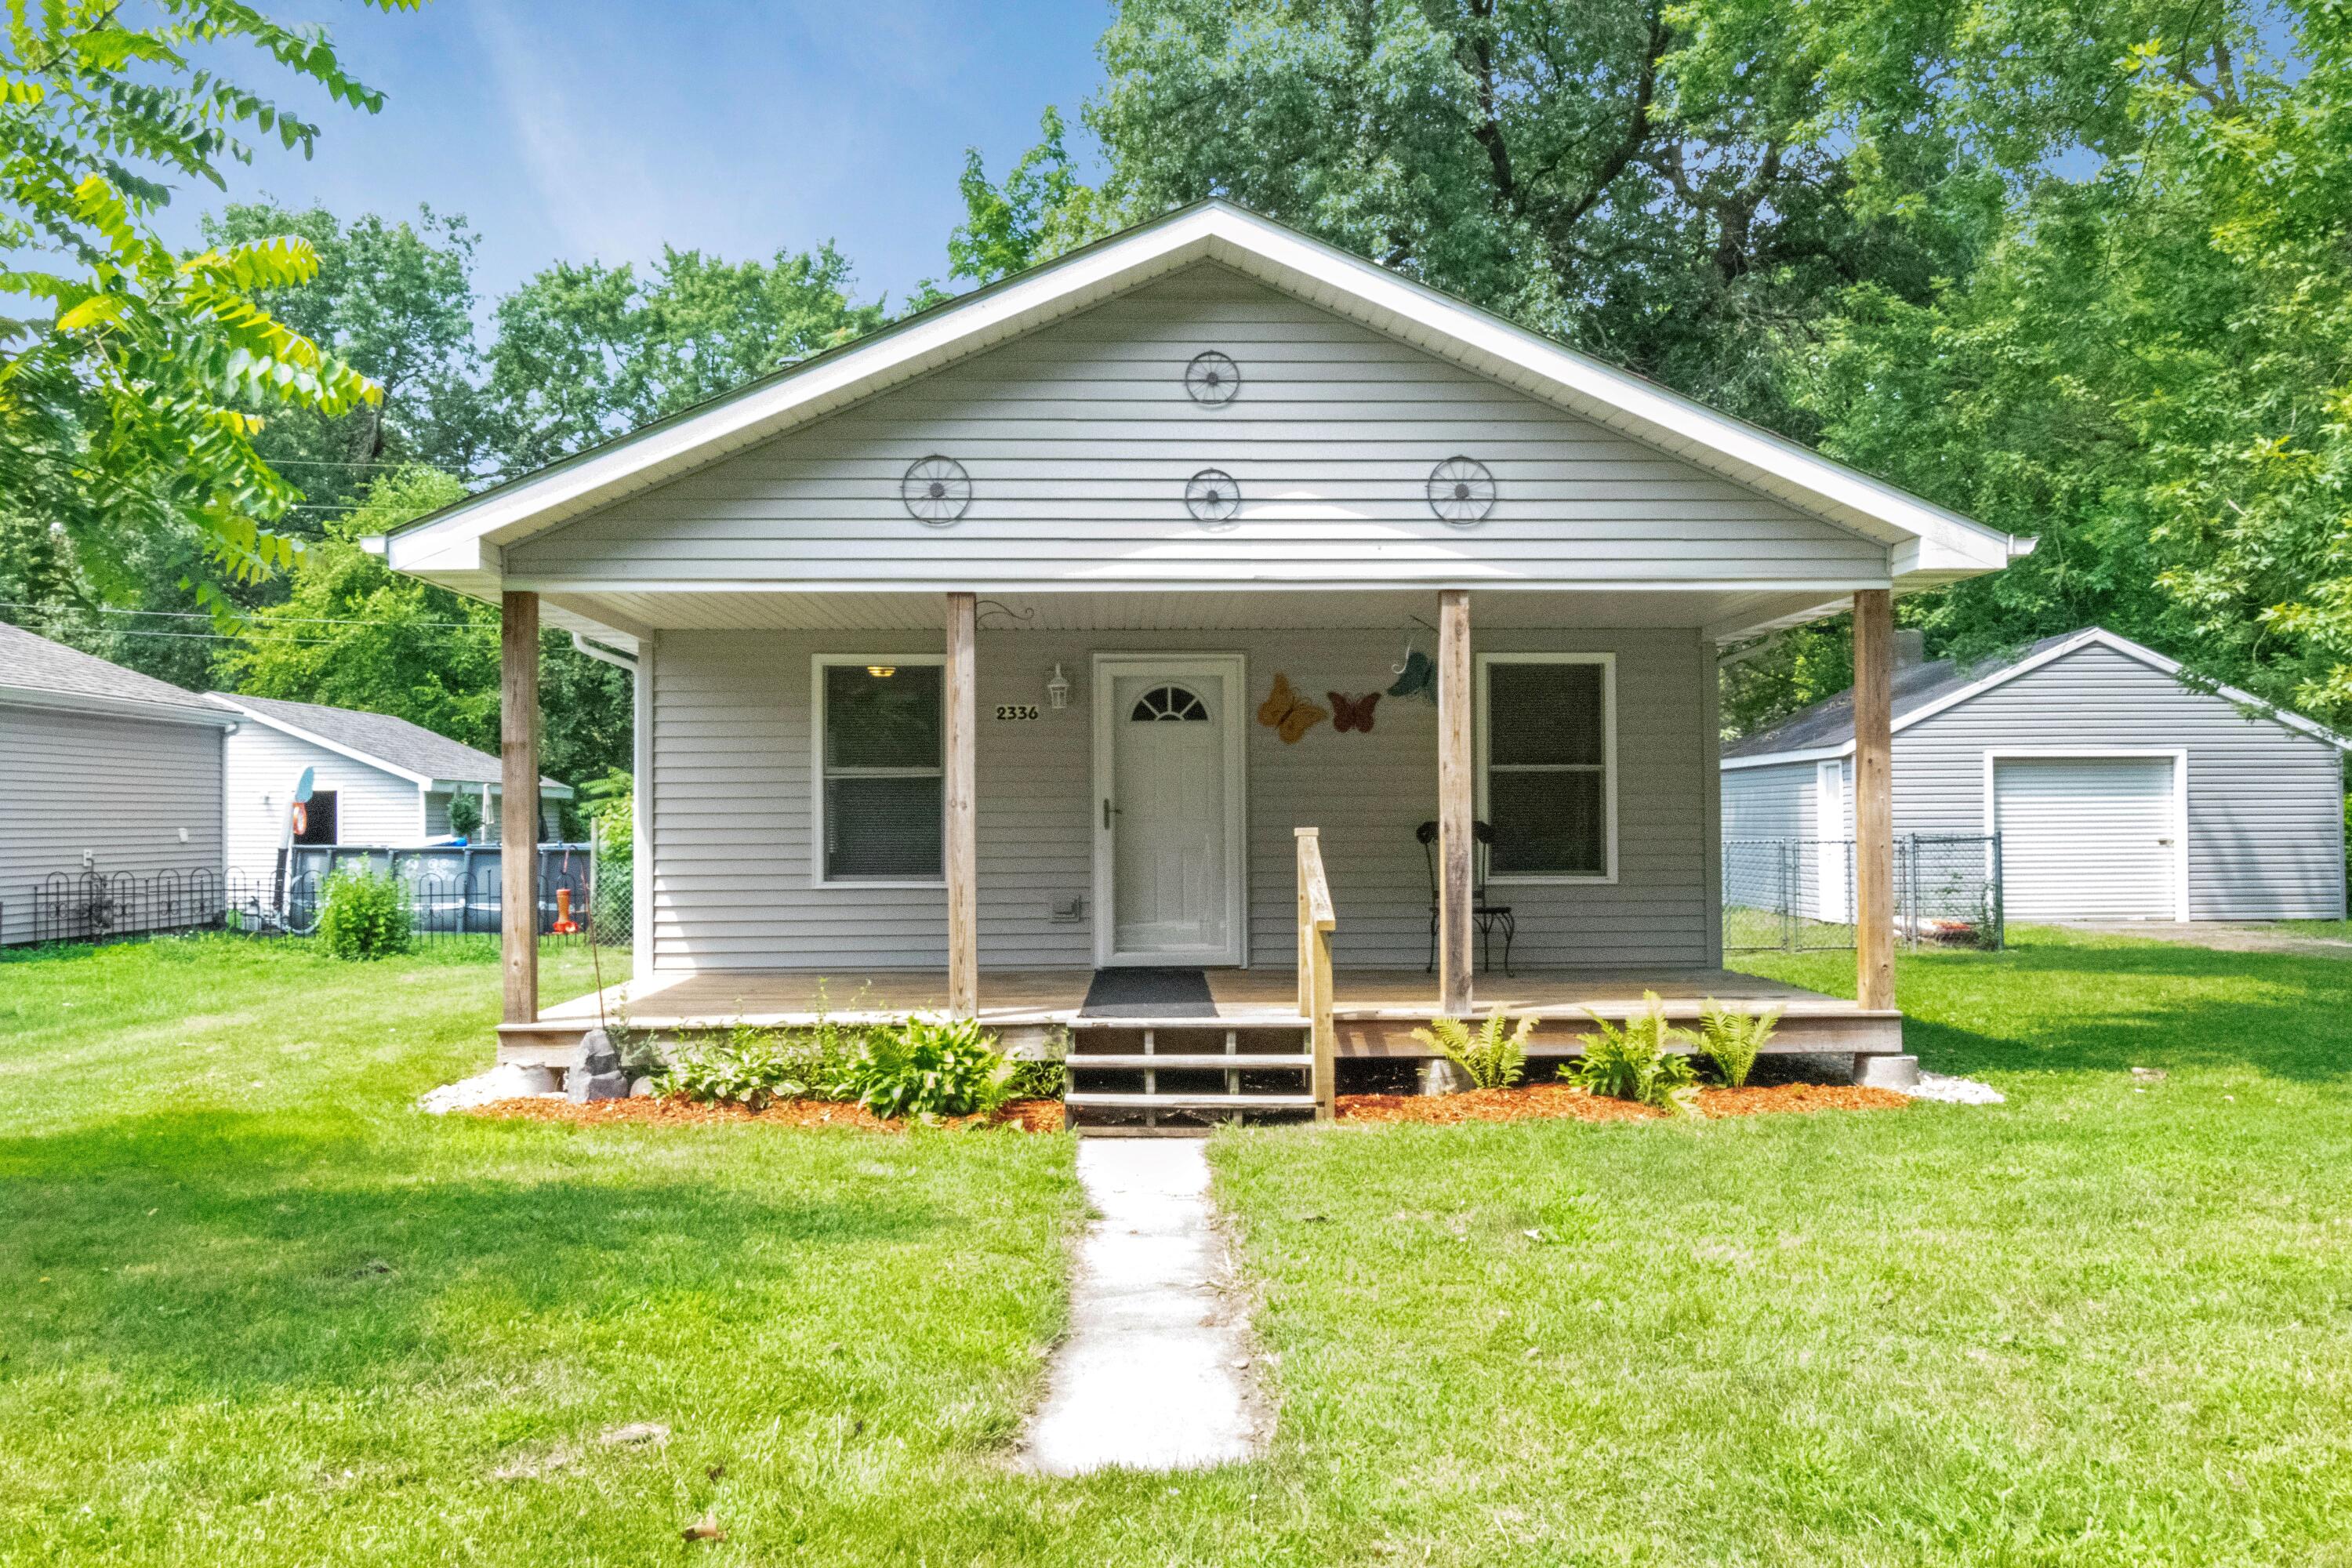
[[1724, 614]]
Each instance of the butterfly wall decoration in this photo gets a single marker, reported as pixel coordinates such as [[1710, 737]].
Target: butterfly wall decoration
[[1288, 713], [1352, 712], [1416, 677]]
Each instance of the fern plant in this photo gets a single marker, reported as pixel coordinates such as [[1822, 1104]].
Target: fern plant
[[1732, 1040], [1490, 1058], [1636, 1060]]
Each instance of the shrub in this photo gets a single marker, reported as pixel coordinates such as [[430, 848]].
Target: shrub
[[930, 1067], [1732, 1040], [756, 1067], [1636, 1060], [465, 816], [1038, 1078], [1491, 1058], [365, 915]]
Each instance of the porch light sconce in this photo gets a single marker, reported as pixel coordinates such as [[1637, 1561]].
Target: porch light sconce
[[881, 671], [1057, 691]]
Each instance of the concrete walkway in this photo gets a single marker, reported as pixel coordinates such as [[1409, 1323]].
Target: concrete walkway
[[1155, 1372], [2221, 936]]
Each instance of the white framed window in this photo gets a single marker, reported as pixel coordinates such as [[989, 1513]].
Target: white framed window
[[878, 753], [1547, 765]]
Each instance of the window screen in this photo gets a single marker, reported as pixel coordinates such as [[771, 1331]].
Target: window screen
[[1547, 742], [883, 771]]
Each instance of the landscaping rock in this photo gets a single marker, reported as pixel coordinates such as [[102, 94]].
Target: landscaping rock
[[594, 1072], [509, 1080], [1955, 1090], [587, 1088], [641, 1087]]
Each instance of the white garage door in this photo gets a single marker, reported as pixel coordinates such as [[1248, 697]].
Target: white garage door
[[2087, 837]]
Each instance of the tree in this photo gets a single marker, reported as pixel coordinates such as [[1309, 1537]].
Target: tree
[[353, 634], [1592, 172], [133, 404], [395, 301], [2152, 372], [585, 353]]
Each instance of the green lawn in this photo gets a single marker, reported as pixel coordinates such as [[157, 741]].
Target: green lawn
[[2335, 930], [259, 1313]]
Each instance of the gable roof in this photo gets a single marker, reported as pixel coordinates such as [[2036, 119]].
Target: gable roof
[[394, 745], [37, 672], [1825, 730], [460, 546]]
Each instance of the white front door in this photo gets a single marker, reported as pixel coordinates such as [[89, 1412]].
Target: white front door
[[1168, 820]]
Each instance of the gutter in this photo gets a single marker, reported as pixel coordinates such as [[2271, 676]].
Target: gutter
[[602, 654]]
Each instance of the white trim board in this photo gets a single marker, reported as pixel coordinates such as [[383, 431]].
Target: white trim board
[[1232, 672], [2177, 755], [1483, 732], [2098, 636], [1929, 545]]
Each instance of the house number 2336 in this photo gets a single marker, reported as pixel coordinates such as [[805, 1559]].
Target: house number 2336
[[1017, 710]]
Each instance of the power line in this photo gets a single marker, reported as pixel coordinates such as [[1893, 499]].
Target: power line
[[274, 619]]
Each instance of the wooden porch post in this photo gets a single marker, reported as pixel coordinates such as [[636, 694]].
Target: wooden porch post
[[962, 839], [518, 804], [1873, 798], [1455, 801]]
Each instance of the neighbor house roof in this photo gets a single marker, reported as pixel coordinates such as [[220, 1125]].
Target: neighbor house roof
[[460, 546], [38, 672], [1825, 730], [381, 740]]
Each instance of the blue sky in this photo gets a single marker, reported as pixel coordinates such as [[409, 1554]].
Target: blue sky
[[599, 129]]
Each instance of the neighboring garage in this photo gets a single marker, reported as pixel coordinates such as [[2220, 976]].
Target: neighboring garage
[[2119, 792]]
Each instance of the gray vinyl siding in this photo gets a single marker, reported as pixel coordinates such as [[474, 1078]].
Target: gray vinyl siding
[[730, 784], [371, 806], [123, 788], [2265, 803], [1079, 439], [1763, 809]]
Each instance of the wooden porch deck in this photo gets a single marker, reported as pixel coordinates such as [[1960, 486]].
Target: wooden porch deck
[[1374, 1010]]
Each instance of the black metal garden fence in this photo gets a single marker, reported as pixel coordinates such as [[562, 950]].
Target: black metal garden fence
[[1798, 894], [452, 892]]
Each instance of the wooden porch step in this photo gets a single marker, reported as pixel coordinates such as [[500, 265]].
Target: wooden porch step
[[1095, 1102], [1186, 1061]]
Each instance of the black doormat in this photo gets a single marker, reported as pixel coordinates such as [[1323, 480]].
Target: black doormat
[[1148, 993]]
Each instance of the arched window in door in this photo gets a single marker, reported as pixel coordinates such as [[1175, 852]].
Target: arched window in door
[[1169, 705]]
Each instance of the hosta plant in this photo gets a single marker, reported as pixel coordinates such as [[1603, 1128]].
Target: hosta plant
[[1489, 1057], [1636, 1060], [1732, 1040], [931, 1067]]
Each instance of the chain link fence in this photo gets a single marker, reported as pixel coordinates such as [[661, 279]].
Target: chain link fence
[[453, 891], [1795, 895]]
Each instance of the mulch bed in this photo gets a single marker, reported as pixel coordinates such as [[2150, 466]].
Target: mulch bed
[[675, 1111], [1556, 1100]]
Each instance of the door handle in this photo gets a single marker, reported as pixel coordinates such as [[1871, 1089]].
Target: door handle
[[1108, 812]]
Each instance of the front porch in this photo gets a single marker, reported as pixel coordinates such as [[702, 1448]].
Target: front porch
[[1373, 1011]]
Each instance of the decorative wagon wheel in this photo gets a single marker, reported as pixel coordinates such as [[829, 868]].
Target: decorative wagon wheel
[[1213, 497], [936, 490], [1461, 491], [1213, 379]]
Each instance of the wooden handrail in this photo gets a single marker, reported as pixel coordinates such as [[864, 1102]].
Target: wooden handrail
[[1316, 920]]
